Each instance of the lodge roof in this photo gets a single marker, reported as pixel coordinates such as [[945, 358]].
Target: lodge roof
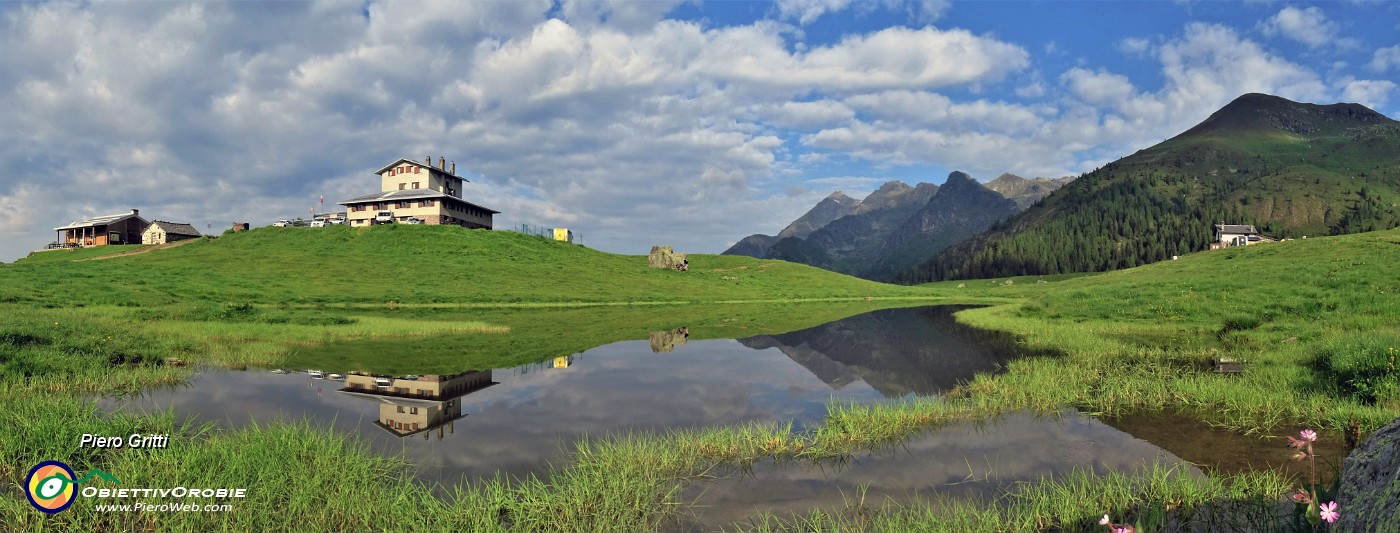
[[410, 194], [428, 166], [1236, 228], [99, 221], [175, 228]]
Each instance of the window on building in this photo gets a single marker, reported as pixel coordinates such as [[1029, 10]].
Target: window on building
[[400, 408], [413, 410], [403, 205], [415, 185], [415, 170], [401, 186]]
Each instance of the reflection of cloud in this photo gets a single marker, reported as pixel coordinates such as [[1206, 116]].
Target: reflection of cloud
[[531, 418], [961, 460]]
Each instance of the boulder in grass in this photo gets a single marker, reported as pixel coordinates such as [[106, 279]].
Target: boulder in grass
[[665, 257], [1370, 493]]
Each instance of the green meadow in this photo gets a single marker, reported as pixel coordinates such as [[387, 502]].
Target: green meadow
[[1314, 321]]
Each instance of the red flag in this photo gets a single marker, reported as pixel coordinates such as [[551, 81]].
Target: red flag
[[323, 199]]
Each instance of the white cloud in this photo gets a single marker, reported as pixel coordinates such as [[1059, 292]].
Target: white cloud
[[808, 11], [1031, 90], [1385, 59], [1309, 26], [890, 58], [1098, 88], [807, 115], [1134, 46], [1103, 116], [1370, 93]]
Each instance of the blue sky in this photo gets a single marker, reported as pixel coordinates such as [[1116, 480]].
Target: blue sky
[[633, 123]]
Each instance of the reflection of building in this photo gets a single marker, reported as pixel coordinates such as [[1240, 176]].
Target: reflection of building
[[564, 361], [417, 404]]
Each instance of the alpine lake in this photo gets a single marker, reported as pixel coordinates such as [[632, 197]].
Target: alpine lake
[[460, 424]]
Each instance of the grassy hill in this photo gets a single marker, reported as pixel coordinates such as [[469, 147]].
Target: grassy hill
[[407, 265], [1318, 321], [1292, 169]]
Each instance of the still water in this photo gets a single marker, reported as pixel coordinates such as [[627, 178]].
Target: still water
[[478, 423], [517, 421]]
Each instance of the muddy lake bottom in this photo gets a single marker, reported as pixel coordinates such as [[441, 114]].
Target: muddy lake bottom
[[516, 422]]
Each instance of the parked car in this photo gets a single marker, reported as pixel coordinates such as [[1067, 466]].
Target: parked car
[[384, 217], [283, 223], [318, 223], [413, 220], [335, 221], [383, 382]]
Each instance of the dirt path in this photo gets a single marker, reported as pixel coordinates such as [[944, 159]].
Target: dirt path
[[141, 251]]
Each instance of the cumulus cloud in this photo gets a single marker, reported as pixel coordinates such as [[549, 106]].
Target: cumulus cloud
[[1385, 59], [1103, 115], [1134, 46], [609, 117], [807, 11], [1098, 88], [1309, 26], [1370, 93]]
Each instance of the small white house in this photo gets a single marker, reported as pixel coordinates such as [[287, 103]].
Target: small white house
[[1236, 234], [162, 232]]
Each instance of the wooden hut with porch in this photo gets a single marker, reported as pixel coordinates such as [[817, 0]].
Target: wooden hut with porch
[[124, 228]]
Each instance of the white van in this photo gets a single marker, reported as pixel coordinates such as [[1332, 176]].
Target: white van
[[384, 217]]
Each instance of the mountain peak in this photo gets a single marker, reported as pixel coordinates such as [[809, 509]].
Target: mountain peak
[[838, 196], [959, 178], [1008, 178], [1264, 112], [892, 186]]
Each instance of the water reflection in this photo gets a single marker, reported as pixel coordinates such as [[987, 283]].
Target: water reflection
[[412, 405], [519, 421], [919, 351], [965, 460]]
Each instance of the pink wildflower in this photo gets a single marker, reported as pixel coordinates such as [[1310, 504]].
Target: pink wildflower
[[1124, 529], [1329, 512], [1308, 435], [1302, 497]]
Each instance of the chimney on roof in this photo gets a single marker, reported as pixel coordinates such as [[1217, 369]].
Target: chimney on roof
[[442, 163], [428, 161], [136, 212], [454, 168]]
